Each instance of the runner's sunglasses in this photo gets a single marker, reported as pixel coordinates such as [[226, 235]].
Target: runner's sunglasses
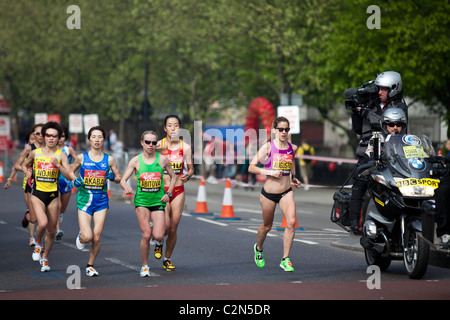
[[150, 142]]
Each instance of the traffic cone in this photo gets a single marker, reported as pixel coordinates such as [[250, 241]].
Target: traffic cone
[[227, 206], [201, 208], [128, 195], [2, 178], [283, 225]]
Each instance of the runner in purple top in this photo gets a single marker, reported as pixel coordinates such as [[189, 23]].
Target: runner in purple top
[[278, 159]]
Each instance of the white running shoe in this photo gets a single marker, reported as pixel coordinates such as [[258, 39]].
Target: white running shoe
[[80, 245], [145, 271], [32, 242], [36, 256], [45, 267], [91, 272]]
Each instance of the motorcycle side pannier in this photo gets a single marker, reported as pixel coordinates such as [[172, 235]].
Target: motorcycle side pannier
[[340, 211]]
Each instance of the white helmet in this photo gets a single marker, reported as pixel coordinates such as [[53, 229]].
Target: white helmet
[[391, 80]]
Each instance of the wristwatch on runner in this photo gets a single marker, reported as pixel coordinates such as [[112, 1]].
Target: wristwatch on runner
[[169, 194]]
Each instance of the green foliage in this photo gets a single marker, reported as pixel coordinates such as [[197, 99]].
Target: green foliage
[[228, 50]]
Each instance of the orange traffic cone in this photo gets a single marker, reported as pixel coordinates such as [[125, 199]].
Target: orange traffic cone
[[201, 208], [283, 225], [227, 206], [128, 195], [2, 178]]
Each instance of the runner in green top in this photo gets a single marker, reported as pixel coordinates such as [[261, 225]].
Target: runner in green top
[[150, 199]]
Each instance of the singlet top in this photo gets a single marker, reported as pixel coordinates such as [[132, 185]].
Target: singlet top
[[45, 173], [280, 159], [150, 186], [175, 157], [93, 174]]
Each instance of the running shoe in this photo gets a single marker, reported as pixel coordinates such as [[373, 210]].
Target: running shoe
[[32, 242], [158, 250], [91, 272], [36, 256], [45, 267], [145, 271], [168, 265], [59, 235], [259, 257], [24, 219], [286, 265], [80, 245]]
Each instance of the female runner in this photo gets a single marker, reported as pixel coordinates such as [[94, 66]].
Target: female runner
[[179, 153], [65, 186], [277, 157], [48, 161], [36, 140], [151, 198], [92, 198]]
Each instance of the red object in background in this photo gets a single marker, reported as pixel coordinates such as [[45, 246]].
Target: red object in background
[[260, 108], [332, 166]]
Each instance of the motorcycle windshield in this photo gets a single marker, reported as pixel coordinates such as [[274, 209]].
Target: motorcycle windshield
[[406, 155]]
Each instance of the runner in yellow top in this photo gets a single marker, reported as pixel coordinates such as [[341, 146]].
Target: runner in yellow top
[[47, 161]]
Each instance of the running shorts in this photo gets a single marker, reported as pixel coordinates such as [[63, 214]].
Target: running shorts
[[92, 202]]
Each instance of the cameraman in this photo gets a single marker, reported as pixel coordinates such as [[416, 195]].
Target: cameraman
[[443, 204], [365, 121]]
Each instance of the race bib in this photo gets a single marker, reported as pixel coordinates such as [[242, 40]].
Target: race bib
[[94, 179], [150, 181], [176, 160], [46, 172], [282, 162]]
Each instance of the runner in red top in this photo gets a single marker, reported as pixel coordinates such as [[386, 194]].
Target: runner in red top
[[180, 157]]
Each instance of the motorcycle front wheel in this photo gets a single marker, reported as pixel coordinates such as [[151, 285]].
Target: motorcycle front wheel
[[374, 258], [416, 254]]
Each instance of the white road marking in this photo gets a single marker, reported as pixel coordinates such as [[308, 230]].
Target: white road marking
[[213, 222]]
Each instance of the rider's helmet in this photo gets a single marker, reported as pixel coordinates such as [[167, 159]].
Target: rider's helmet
[[393, 115], [391, 80]]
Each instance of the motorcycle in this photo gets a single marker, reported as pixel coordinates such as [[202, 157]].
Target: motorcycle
[[398, 222]]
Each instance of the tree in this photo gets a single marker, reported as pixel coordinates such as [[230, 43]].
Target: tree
[[412, 40]]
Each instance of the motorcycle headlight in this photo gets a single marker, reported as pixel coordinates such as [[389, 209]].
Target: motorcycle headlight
[[417, 188]]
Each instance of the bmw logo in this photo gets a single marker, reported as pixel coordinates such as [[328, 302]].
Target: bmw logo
[[417, 164]]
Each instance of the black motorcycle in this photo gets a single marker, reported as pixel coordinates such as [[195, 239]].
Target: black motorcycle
[[397, 221]]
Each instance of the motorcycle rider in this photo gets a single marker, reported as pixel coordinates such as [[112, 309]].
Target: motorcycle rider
[[365, 121], [393, 121]]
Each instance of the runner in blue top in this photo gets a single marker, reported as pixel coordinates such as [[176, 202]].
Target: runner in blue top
[[65, 186], [92, 200]]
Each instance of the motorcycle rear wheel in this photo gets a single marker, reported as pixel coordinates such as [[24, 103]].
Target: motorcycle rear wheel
[[416, 255]]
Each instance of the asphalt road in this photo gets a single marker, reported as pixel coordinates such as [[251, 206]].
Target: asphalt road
[[214, 258]]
